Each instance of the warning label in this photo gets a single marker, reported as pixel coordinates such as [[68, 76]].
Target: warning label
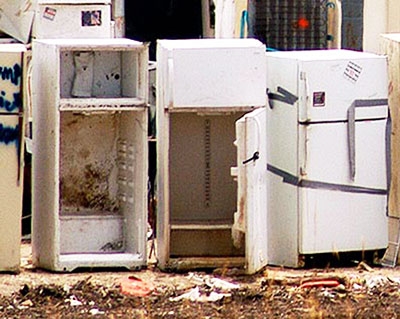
[[352, 72], [49, 13]]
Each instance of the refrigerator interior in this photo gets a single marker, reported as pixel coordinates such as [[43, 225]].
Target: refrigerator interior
[[99, 166], [203, 194], [103, 74]]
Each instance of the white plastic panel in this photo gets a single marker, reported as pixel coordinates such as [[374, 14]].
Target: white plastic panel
[[16, 18], [214, 73], [54, 20], [334, 221], [79, 235]]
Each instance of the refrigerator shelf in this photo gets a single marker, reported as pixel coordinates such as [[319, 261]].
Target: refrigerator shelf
[[69, 261], [98, 104]]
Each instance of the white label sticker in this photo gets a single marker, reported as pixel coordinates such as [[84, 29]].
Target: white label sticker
[[352, 72]]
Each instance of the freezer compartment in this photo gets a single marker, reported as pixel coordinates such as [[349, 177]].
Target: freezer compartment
[[103, 74], [328, 88], [202, 192], [334, 221], [72, 20], [101, 183], [212, 73]]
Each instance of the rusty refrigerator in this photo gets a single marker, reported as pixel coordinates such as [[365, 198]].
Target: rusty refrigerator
[[11, 154], [206, 141], [90, 153]]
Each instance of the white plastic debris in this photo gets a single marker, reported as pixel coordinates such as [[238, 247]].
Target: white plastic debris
[[73, 301], [220, 284], [376, 282], [95, 311], [195, 295], [212, 282]]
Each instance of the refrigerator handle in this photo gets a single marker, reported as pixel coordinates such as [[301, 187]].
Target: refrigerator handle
[[282, 95], [351, 128], [170, 89]]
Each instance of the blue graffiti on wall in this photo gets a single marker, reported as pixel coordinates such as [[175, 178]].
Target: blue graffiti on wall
[[9, 134], [10, 105], [13, 74]]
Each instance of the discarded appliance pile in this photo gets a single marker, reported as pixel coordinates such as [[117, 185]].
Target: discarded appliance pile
[[262, 158]]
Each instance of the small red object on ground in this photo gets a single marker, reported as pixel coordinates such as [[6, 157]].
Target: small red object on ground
[[320, 283], [135, 286]]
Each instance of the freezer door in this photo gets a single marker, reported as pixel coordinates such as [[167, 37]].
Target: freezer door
[[215, 73], [251, 215], [327, 89], [16, 18], [84, 20]]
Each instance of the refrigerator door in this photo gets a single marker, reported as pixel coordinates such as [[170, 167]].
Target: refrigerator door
[[328, 87], [10, 191], [16, 18], [215, 73], [84, 20], [324, 153], [337, 212], [251, 216]]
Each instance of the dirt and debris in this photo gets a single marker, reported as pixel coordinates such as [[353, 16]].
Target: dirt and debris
[[361, 292]]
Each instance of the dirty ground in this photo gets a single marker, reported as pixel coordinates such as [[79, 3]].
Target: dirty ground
[[352, 292]]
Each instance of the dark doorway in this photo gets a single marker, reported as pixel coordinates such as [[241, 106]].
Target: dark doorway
[[149, 20], [352, 24]]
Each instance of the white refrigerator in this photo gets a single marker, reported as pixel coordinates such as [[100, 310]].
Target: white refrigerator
[[208, 184], [11, 154], [327, 167]]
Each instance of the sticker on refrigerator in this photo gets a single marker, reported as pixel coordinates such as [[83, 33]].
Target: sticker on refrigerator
[[49, 13], [352, 72], [91, 18], [318, 99]]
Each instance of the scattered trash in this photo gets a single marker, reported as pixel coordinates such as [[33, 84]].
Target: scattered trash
[[195, 295], [95, 311], [212, 282], [320, 283], [357, 286], [74, 301], [376, 282], [135, 286], [365, 266], [27, 303]]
